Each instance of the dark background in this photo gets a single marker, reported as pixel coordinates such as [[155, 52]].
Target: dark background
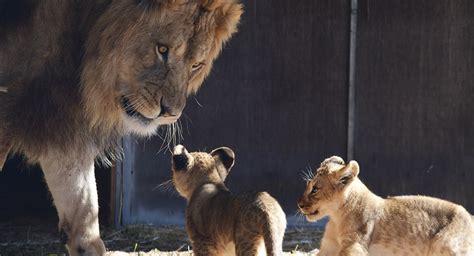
[[414, 130], [278, 96]]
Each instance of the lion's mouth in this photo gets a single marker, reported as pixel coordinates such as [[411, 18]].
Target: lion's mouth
[[132, 112]]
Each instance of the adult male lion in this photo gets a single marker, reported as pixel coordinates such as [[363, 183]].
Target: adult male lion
[[77, 75]]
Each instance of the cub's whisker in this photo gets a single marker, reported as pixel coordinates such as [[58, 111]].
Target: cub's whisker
[[307, 174], [167, 187]]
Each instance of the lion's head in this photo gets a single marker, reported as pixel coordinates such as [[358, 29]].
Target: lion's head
[[144, 57], [327, 189]]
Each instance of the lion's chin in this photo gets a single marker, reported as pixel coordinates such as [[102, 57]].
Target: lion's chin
[[145, 127]]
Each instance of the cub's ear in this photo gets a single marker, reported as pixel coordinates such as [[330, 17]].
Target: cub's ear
[[345, 175], [181, 158], [224, 156]]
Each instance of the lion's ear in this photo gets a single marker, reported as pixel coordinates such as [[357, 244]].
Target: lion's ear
[[227, 19], [226, 15]]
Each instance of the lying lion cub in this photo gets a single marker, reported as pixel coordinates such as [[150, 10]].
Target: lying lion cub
[[217, 222], [361, 223]]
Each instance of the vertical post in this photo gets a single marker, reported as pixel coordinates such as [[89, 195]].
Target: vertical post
[[352, 71], [124, 184]]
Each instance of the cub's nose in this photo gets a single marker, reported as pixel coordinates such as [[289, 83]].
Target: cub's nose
[[302, 204], [180, 157], [179, 149]]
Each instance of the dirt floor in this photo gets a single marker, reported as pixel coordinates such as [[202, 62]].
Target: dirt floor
[[26, 237]]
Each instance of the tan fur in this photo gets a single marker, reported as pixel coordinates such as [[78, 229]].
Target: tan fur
[[362, 223], [194, 31], [4, 149], [217, 222], [73, 188], [76, 76]]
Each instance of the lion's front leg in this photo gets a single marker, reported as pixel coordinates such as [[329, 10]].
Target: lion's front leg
[[72, 184]]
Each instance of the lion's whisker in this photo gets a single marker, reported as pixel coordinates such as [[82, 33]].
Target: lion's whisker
[[163, 137], [186, 119], [199, 104], [168, 137], [180, 130]]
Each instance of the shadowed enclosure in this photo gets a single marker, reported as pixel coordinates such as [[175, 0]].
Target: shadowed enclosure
[[279, 98]]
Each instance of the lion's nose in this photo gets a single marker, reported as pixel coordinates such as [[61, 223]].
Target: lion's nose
[[171, 110], [165, 110]]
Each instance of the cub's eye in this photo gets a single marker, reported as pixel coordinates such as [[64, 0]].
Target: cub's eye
[[196, 66], [314, 190]]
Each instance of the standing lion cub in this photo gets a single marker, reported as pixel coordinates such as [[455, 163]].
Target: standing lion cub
[[217, 222], [362, 223]]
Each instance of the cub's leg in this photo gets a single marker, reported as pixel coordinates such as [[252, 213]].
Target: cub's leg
[[329, 244], [328, 247], [248, 243], [273, 237], [72, 184], [202, 247], [353, 249]]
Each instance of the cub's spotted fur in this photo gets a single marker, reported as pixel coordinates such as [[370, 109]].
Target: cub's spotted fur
[[217, 222], [362, 223]]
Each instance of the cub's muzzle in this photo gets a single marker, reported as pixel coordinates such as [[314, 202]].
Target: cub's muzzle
[[181, 158]]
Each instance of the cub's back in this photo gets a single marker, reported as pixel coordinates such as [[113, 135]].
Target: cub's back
[[411, 225], [258, 200], [429, 213], [259, 204]]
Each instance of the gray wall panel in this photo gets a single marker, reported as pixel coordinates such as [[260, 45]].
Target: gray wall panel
[[414, 110]]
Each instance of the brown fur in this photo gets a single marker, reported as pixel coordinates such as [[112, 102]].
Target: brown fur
[[217, 222], [75, 76], [361, 223]]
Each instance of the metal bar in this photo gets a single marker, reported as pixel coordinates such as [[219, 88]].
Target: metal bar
[[352, 73], [118, 194]]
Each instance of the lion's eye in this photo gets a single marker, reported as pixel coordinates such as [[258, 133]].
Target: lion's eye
[[162, 49], [314, 190], [197, 66], [162, 52]]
